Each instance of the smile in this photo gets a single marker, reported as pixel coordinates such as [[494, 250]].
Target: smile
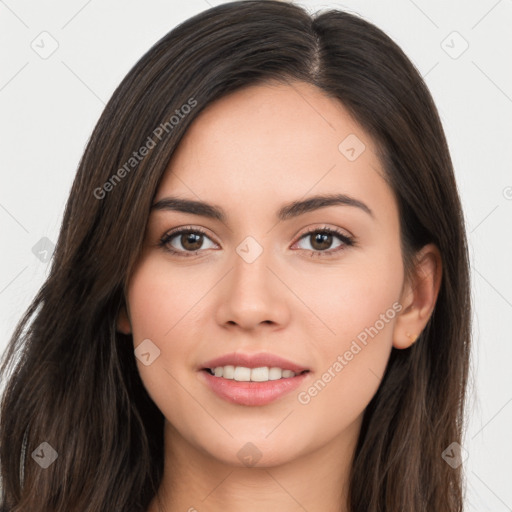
[[249, 392], [245, 374]]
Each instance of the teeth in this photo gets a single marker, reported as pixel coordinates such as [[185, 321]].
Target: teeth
[[244, 374], [259, 374], [275, 373], [219, 371], [228, 372]]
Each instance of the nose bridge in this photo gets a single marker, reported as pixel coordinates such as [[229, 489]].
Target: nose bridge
[[250, 277], [252, 294]]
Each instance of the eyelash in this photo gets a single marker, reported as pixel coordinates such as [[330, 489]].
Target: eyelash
[[347, 241]]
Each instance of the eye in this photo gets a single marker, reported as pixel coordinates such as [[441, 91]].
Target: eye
[[321, 239], [186, 241]]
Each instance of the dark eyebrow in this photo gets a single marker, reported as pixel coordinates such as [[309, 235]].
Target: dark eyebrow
[[287, 211]]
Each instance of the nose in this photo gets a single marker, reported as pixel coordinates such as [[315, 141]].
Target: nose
[[252, 295]]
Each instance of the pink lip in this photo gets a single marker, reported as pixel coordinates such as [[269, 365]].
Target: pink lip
[[251, 393], [253, 361]]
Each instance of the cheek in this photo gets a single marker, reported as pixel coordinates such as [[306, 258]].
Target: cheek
[[162, 300], [157, 307], [358, 309], [165, 307], [345, 302]]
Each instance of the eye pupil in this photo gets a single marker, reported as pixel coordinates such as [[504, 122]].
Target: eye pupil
[[192, 241], [323, 239]]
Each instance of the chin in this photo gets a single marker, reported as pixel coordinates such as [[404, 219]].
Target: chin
[[245, 450]]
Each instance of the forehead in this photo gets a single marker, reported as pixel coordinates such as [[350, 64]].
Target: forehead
[[277, 141], [268, 122]]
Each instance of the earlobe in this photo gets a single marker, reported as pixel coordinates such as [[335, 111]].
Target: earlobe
[[123, 324], [419, 297], [412, 337]]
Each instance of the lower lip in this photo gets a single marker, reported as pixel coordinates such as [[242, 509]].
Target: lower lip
[[252, 393]]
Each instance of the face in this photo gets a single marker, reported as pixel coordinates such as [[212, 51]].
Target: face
[[318, 286]]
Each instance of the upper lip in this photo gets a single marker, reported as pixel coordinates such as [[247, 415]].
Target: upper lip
[[253, 361]]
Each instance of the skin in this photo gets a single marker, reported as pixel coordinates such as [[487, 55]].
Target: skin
[[283, 139]]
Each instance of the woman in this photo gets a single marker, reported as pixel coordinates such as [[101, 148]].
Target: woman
[[260, 293]]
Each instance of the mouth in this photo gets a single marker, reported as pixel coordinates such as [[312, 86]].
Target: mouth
[[256, 367], [246, 374], [252, 379], [252, 385]]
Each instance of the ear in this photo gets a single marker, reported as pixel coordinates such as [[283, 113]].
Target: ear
[[418, 297], [123, 324]]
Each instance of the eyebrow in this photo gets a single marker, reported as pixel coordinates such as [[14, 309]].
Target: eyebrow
[[287, 211]]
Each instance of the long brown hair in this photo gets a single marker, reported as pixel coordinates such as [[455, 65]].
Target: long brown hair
[[71, 378]]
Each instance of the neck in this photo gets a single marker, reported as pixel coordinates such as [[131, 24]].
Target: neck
[[193, 480]]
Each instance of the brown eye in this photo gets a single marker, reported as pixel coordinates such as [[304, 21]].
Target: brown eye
[[321, 241], [191, 241], [186, 241]]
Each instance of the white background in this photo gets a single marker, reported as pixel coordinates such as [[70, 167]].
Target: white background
[[50, 106]]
